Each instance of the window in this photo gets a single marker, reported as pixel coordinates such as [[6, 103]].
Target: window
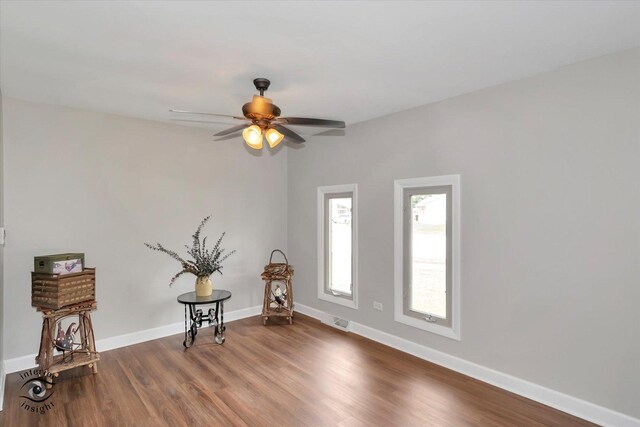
[[427, 260], [337, 244]]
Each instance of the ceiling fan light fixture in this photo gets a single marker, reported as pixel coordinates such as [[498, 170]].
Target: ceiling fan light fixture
[[273, 137], [253, 137]]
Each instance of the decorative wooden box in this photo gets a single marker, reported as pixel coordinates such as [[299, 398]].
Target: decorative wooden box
[[59, 263], [57, 291]]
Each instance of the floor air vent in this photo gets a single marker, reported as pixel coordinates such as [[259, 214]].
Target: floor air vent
[[339, 323]]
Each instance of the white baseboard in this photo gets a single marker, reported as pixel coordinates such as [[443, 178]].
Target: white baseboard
[[27, 362], [2, 378], [563, 402], [19, 363]]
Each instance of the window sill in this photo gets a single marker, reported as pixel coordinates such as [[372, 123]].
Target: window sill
[[445, 331], [338, 300]]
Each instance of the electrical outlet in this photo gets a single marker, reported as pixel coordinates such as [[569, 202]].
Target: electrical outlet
[[377, 305]]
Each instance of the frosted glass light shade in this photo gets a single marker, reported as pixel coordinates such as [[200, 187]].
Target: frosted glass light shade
[[253, 137], [274, 137]]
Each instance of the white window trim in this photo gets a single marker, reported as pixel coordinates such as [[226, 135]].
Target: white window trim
[[353, 188], [453, 331]]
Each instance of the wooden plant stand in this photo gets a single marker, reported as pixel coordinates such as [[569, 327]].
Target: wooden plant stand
[[85, 355], [278, 273]]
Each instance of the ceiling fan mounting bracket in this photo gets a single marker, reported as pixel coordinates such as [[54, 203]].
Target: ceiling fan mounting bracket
[[262, 124], [261, 84]]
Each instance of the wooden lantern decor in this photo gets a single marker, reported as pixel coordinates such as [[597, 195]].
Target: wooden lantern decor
[[278, 295]]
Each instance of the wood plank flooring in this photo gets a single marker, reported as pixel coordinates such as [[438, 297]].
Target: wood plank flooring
[[307, 374]]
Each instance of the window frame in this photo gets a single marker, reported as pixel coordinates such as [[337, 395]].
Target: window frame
[[402, 252], [324, 194]]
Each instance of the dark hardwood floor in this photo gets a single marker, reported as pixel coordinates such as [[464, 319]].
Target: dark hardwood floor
[[307, 374]]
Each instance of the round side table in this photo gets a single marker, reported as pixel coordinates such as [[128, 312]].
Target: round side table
[[195, 316]]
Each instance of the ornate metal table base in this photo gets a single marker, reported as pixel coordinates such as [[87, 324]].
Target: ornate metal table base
[[194, 319]]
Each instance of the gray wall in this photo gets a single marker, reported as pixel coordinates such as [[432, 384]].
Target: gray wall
[[103, 185], [550, 222]]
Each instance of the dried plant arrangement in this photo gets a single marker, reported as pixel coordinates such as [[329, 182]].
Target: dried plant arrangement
[[204, 262]]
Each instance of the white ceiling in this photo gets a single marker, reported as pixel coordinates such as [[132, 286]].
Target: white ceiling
[[346, 60]]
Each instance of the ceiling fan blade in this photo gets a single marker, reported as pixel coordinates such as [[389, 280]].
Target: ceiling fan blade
[[303, 121], [230, 130], [288, 133], [229, 136], [199, 121], [208, 114]]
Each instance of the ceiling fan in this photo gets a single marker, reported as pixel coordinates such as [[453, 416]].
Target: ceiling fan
[[262, 119]]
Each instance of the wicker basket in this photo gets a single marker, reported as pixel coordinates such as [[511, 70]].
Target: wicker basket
[[57, 291]]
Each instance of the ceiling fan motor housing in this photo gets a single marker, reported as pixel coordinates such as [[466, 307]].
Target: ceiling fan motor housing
[[260, 108]]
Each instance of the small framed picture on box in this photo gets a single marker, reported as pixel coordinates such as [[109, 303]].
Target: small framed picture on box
[[67, 266]]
